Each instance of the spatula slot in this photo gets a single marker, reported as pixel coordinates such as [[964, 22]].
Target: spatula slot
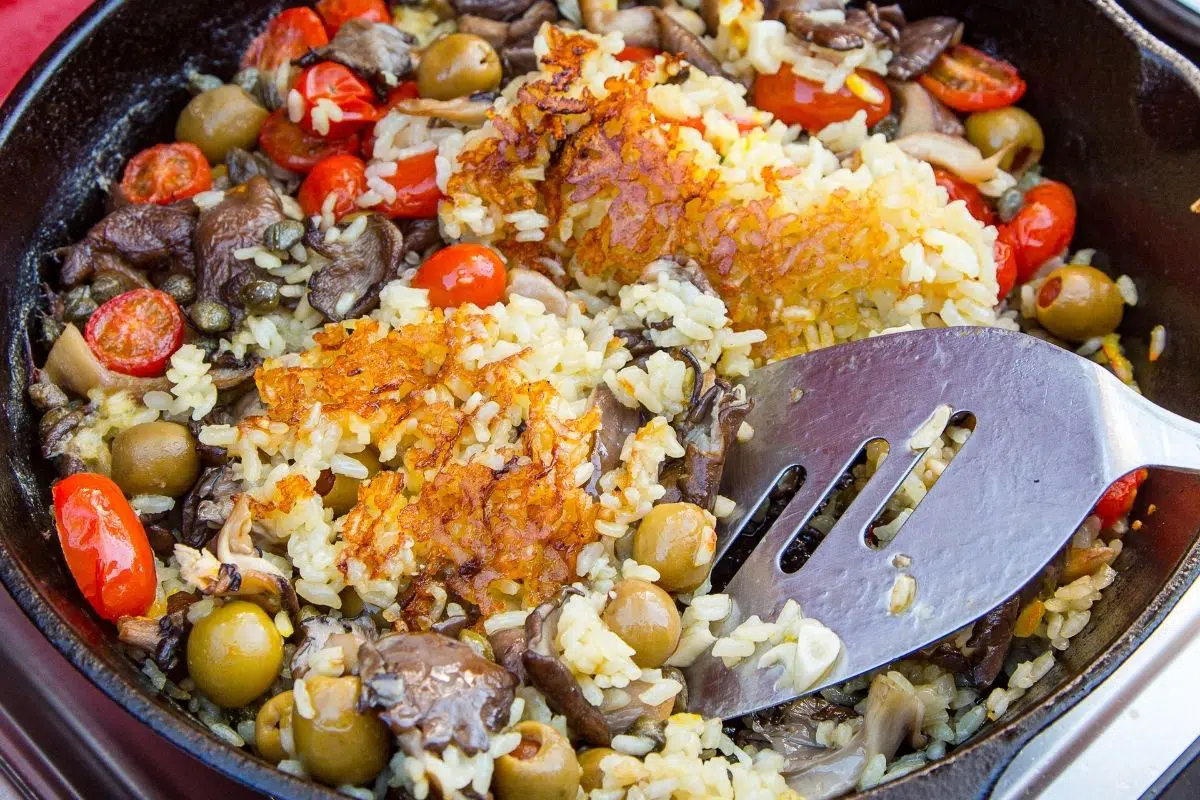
[[761, 520], [920, 480]]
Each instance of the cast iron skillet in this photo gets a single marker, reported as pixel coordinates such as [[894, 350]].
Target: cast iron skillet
[[1122, 118]]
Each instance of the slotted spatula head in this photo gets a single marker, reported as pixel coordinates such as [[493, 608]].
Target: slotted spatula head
[[1047, 442]]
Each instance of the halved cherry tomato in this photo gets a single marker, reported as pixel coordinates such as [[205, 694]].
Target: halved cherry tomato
[[292, 147], [331, 90], [165, 173], [337, 12], [105, 545], [1006, 263], [462, 273], [1043, 227], [969, 80], [136, 332], [406, 90], [958, 189], [799, 101], [634, 53], [344, 176], [289, 35], [1117, 502], [417, 192]]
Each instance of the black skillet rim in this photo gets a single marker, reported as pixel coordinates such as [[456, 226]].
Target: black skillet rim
[[972, 767]]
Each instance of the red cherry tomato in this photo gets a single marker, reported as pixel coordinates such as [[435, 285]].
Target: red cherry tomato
[[1006, 263], [417, 192], [289, 35], [328, 85], [292, 147], [958, 189], [462, 273], [136, 332], [343, 175], [165, 173], [634, 53], [337, 12], [406, 90], [799, 101], [969, 80], [105, 545], [1043, 227], [1117, 502]]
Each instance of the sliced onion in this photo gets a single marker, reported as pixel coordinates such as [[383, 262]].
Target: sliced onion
[[953, 153]]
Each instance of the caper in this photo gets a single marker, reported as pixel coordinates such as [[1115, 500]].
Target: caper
[[234, 653], [458, 65], [199, 82], [179, 286], [106, 285], [542, 767], [211, 317], [339, 744], [260, 297], [1078, 302], [591, 777], [155, 458], [78, 304], [477, 642], [283, 235], [889, 126], [1012, 129], [678, 540], [646, 618], [247, 79], [219, 120], [1031, 178], [272, 723], [1010, 204], [343, 496]]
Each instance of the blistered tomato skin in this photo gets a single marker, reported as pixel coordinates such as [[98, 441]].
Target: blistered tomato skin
[[105, 546], [295, 149], [1043, 228], [462, 273], [343, 176], [799, 101], [417, 192]]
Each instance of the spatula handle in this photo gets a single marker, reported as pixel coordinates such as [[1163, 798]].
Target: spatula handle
[[1141, 434]]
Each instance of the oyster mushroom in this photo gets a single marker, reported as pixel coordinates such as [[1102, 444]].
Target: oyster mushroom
[[795, 15], [990, 640], [954, 153], [685, 270], [131, 238], [537, 286], [377, 50], [237, 222], [617, 422], [326, 631], [436, 687], [206, 507], [638, 25], [921, 112], [674, 37], [707, 430], [158, 638], [624, 708], [501, 10], [920, 44], [463, 110], [349, 285], [244, 165]]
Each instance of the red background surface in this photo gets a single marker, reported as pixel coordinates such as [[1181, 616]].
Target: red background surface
[[29, 26]]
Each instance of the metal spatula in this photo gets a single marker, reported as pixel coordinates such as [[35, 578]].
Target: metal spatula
[[1052, 432]]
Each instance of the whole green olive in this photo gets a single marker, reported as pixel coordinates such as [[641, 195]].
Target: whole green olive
[[678, 540], [456, 66], [270, 725], [646, 618], [1012, 128], [344, 494], [234, 653], [1077, 302], [219, 120], [211, 316], [591, 776], [339, 744], [542, 767], [155, 458]]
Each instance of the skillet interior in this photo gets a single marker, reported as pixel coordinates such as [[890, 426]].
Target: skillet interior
[[1122, 119]]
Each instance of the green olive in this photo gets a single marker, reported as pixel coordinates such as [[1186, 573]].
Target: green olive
[[155, 458], [591, 776], [219, 120], [542, 767], [672, 538], [1012, 128], [339, 744], [234, 654], [1077, 302], [272, 720], [456, 66], [646, 618], [344, 494]]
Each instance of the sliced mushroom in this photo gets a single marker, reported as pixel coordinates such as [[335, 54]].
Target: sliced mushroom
[[509, 645], [624, 708], [990, 640], [893, 714], [379, 51], [244, 165], [442, 689], [522, 30], [206, 507], [501, 10], [237, 222], [920, 44], [420, 235], [349, 285], [56, 430], [921, 112], [321, 632], [537, 286], [638, 25], [869, 27], [73, 366], [463, 110], [706, 431], [954, 153], [549, 674], [685, 270], [132, 237], [617, 422], [158, 638], [675, 38], [796, 17], [494, 32]]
